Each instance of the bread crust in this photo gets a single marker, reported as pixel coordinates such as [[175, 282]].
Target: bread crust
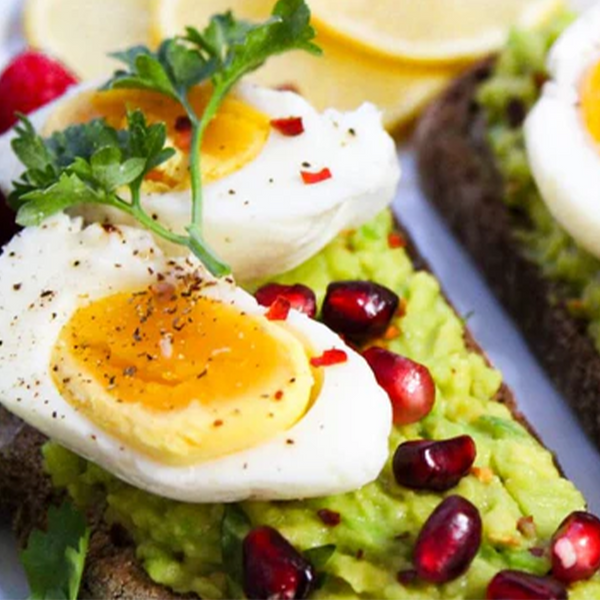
[[459, 175]]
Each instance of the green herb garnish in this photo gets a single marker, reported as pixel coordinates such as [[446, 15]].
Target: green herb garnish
[[93, 163], [54, 559]]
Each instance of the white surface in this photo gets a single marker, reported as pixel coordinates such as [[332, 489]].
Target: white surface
[[537, 398]]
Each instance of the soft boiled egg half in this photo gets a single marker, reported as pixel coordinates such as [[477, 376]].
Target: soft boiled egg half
[[280, 179], [563, 132], [175, 381]]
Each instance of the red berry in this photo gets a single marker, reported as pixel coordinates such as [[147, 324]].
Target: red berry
[[449, 541], [408, 384], [273, 568], [359, 310], [300, 297], [30, 81], [517, 585], [430, 465], [575, 547]]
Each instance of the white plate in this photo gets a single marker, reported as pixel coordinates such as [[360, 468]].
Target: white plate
[[538, 400]]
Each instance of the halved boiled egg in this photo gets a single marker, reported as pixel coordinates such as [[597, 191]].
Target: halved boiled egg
[[176, 381], [281, 180], [562, 132]]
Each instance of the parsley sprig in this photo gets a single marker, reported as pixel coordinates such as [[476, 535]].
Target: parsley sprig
[[93, 163], [54, 559]]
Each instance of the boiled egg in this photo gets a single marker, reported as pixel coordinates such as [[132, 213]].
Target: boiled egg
[[562, 132], [280, 179], [175, 381]]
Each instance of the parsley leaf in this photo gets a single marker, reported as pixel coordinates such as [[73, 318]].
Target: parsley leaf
[[92, 162], [54, 559]]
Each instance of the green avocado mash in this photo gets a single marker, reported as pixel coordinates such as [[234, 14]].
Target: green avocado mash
[[514, 88], [179, 544]]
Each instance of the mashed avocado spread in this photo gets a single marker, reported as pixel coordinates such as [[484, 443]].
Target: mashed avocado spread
[[506, 98], [179, 544]]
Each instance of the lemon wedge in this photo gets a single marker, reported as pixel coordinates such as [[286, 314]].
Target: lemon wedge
[[429, 30], [82, 32], [344, 77]]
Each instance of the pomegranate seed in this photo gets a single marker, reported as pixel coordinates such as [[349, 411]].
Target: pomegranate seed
[[437, 466], [310, 178], [517, 585], [290, 127], [408, 384], [575, 547], [301, 298], [359, 310], [279, 310], [448, 541], [329, 358], [273, 568]]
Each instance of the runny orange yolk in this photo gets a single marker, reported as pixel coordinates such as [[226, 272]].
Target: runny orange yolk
[[590, 101], [233, 139], [180, 376]]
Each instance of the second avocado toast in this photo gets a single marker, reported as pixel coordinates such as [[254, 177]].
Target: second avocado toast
[[468, 502]]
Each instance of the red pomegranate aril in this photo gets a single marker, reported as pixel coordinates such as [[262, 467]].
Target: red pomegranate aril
[[434, 465], [273, 568], [359, 310], [300, 297], [449, 541], [517, 585], [575, 547], [408, 384]]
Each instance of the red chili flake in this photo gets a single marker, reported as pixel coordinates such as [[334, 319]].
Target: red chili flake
[[290, 127], [395, 240], [329, 358], [310, 178], [278, 395], [329, 517], [279, 310]]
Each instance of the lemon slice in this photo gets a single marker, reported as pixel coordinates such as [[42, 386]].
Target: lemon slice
[[429, 30], [343, 78], [82, 32]]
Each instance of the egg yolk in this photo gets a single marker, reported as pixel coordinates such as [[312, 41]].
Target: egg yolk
[[590, 101], [181, 376], [233, 139]]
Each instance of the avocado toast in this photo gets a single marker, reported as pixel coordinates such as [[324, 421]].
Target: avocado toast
[[497, 483], [474, 168]]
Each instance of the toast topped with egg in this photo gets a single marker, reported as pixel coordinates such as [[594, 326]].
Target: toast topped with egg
[[483, 155], [326, 430]]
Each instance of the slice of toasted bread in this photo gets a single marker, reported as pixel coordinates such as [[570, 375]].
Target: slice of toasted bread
[[112, 570], [459, 175]]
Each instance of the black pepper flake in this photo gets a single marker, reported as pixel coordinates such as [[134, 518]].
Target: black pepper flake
[[306, 165], [76, 263], [54, 415], [352, 131], [46, 294], [330, 518], [129, 371], [290, 442], [137, 336], [17, 286]]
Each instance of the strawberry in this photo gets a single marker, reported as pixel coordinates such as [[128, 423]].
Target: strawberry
[[30, 81]]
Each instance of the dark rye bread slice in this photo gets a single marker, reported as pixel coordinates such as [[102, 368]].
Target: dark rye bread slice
[[459, 175], [112, 571]]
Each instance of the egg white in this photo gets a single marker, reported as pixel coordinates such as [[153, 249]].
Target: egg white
[[46, 273], [263, 219], [563, 156]]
